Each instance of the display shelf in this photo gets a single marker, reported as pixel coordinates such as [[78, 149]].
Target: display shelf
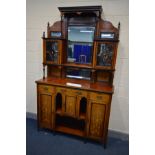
[[59, 111], [70, 125], [77, 65], [82, 116], [69, 130], [52, 38]]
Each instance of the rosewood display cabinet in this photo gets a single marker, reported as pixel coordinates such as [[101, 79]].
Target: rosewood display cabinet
[[79, 56]]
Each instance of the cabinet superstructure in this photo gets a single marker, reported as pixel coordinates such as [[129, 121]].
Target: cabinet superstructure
[[79, 53]]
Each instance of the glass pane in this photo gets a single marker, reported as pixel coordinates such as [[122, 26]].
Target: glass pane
[[52, 51], [80, 44], [104, 54], [78, 74]]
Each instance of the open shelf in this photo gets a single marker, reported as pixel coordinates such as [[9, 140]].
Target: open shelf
[[82, 116], [58, 111], [83, 108], [77, 65], [58, 102], [70, 125], [69, 130]]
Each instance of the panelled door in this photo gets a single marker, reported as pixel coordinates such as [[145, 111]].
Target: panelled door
[[45, 100], [70, 103], [97, 118]]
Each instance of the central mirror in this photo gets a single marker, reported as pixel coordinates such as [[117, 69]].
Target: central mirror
[[80, 44]]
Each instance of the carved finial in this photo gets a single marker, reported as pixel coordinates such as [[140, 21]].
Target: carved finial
[[118, 29], [119, 26], [43, 71], [43, 34], [62, 14], [48, 24]]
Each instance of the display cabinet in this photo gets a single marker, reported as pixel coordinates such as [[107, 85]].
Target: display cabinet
[[79, 56]]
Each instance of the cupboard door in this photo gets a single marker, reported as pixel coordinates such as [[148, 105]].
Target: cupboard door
[[105, 55], [70, 105], [45, 110], [97, 116], [52, 50]]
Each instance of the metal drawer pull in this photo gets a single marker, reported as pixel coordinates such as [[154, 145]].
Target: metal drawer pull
[[99, 97], [62, 90], [79, 93], [46, 88]]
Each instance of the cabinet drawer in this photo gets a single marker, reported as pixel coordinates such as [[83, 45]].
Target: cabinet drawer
[[71, 92], [99, 97], [74, 92], [81, 93], [45, 89], [60, 90]]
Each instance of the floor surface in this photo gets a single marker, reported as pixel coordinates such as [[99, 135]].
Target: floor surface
[[44, 142]]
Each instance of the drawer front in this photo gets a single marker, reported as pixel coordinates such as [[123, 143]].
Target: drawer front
[[71, 92], [100, 97], [46, 89], [60, 90], [74, 92], [81, 93]]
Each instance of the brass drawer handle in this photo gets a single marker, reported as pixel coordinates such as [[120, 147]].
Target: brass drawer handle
[[99, 97], [62, 90], [46, 88], [79, 93]]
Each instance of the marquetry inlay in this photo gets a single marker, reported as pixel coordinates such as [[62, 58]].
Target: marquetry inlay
[[70, 105]]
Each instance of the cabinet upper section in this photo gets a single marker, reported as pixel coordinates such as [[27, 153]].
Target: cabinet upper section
[[86, 16], [81, 39]]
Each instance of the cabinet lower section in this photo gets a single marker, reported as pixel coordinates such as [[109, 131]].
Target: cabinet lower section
[[74, 111]]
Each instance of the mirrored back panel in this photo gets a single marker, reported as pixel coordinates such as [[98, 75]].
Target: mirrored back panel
[[80, 44], [78, 73]]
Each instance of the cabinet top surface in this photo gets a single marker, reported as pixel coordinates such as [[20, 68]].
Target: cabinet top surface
[[77, 84]]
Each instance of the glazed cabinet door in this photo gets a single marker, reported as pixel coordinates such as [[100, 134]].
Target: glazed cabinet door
[[97, 119], [52, 50], [105, 55]]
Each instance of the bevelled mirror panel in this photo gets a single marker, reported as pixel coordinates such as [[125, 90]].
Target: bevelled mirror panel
[[80, 44], [78, 73]]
